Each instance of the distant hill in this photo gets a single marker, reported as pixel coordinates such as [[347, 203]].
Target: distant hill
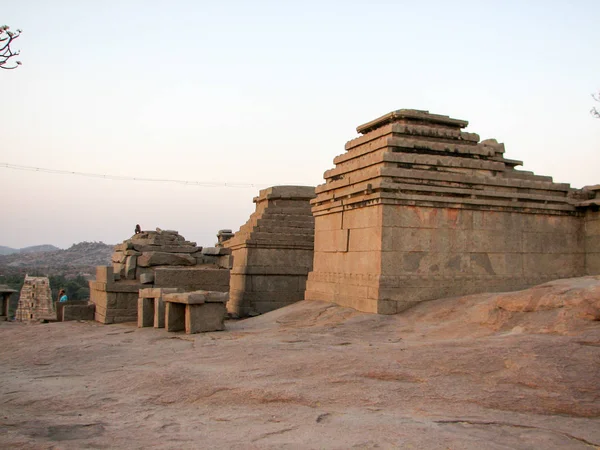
[[33, 249], [81, 258], [7, 250], [39, 249]]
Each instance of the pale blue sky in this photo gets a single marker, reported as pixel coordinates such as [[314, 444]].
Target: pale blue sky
[[267, 93]]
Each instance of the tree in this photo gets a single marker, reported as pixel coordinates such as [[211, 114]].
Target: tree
[[6, 53], [594, 112]]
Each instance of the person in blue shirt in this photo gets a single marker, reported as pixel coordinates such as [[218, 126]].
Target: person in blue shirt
[[62, 296]]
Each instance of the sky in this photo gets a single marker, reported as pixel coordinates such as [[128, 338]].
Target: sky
[[236, 96]]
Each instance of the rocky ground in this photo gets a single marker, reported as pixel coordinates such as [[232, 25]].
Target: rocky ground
[[494, 371]]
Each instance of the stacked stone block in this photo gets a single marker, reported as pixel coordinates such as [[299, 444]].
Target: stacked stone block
[[161, 259], [273, 252], [135, 258], [591, 208], [35, 300], [417, 209]]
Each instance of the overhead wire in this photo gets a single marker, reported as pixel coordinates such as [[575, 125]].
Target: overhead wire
[[132, 178]]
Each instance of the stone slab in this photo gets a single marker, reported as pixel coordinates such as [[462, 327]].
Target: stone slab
[[174, 316], [197, 297], [205, 318]]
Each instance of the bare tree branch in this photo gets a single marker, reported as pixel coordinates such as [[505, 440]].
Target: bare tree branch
[[594, 111], [6, 53]]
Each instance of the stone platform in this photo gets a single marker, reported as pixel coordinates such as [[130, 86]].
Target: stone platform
[[418, 209]]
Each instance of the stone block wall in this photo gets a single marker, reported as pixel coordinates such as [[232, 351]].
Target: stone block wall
[[417, 209], [162, 259], [273, 252], [115, 301], [591, 207]]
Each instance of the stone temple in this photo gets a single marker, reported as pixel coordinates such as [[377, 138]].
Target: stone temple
[[418, 209], [35, 300]]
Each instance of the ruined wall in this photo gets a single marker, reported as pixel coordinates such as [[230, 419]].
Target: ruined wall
[[273, 252], [417, 209], [161, 258], [35, 300]]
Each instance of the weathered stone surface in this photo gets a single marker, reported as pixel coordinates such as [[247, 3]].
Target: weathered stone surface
[[145, 312], [174, 316], [277, 241], [197, 297], [205, 318], [167, 248], [489, 378], [165, 259], [215, 251], [159, 313], [78, 312], [147, 278], [130, 266], [416, 210], [192, 278]]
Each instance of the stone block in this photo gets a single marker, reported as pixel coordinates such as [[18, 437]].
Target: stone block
[[165, 259], [147, 278], [101, 318], [119, 257], [554, 265], [495, 241], [174, 316], [145, 314], [104, 274], [167, 248], [205, 318], [592, 263], [271, 283], [119, 269], [332, 240], [121, 247], [410, 239], [197, 297], [130, 265], [127, 301], [592, 243], [330, 222], [75, 310], [368, 239], [328, 262], [225, 261], [103, 298], [240, 282], [362, 262], [192, 278], [159, 313], [216, 251], [592, 227]]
